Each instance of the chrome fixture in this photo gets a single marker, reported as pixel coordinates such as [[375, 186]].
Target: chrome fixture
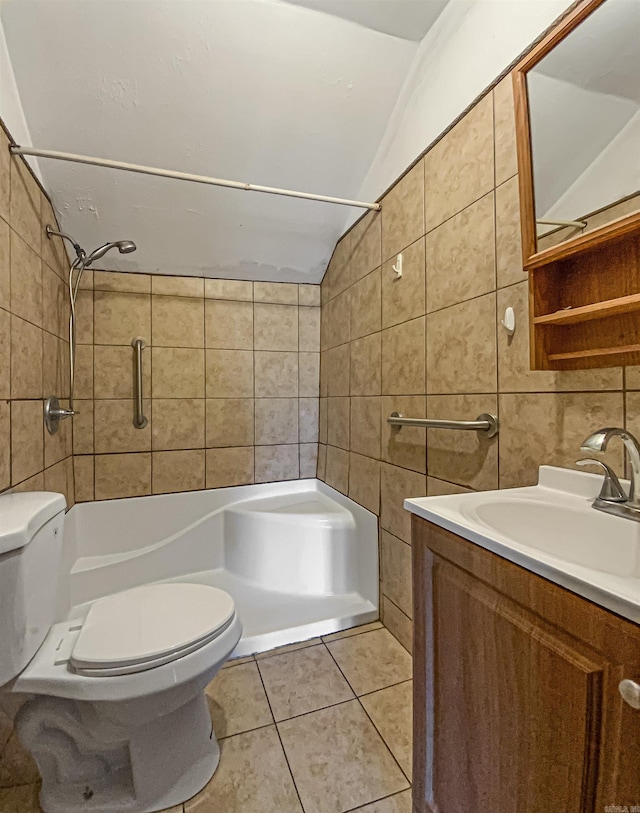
[[611, 490], [486, 423], [82, 261], [609, 500], [139, 420]]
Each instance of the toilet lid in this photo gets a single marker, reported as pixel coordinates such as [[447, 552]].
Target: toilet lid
[[149, 625]]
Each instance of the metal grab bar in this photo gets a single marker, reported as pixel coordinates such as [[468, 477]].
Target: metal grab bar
[[483, 423], [139, 420]]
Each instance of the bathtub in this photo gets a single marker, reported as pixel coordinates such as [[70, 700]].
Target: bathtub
[[299, 558]]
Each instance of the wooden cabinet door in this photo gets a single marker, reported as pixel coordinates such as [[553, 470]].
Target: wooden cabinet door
[[513, 714]]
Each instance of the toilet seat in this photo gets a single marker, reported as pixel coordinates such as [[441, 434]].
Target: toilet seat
[[149, 626]]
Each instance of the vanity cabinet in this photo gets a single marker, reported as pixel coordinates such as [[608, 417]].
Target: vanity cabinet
[[517, 707]]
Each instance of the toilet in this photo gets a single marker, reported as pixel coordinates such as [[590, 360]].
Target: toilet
[[117, 718]]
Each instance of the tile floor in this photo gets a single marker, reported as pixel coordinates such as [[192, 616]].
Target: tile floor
[[318, 727]]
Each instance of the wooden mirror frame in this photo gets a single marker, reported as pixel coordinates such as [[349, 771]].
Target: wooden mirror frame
[[531, 257]]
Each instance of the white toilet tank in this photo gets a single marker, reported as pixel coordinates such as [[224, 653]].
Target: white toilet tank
[[31, 527]]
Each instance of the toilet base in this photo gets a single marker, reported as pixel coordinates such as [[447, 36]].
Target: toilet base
[[91, 762]]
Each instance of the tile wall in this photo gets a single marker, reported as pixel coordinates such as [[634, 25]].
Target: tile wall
[[231, 372], [33, 335], [431, 344]]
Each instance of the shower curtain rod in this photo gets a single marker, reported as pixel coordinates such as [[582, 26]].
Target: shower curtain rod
[[186, 176]]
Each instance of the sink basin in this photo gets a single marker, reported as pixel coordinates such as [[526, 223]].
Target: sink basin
[[551, 529]]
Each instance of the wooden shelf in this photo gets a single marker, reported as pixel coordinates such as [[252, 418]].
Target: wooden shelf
[[599, 310], [598, 351]]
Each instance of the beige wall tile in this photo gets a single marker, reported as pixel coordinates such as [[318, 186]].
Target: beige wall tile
[[24, 209], [338, 364], [309, 295], [339, 310], [403, 297], [230, 422], [55, 367], [365, 426], [276, 421], [468, 332], [405, 446], [228, 324], [83, 473], [537, 428], [308, 459], [403, 358], [514, 373], [27, 449], [460, 168], [396, 485], [366, 305], [467, 458], [309, 409], [26, 281], [438, 488], [338, 274], [505, 130], [366, 366], [228, 289], [461, 256], [5, 353], [178, 423], [337, 469], [177, 321], [177, 286], [276, 374], [322, 461], [122, 475], [35, 483], [126, 283], [52, 249], [279, 293], [308, 375], [55, 307], [275, 463], [26, 359], [395, 563], [364, 481], [178, 372], [82, 427], [338, 422], [5, 261], [275, 327], [632, 378], [83, 381], [119, 318], [5, 443], [5, 176], [309, 329], [508, 234], [403, 212], [178, 471], [84, 318], [398, 624], [55, 479], [323, 420], [114, 370], [114, 430], [58, 446], [229, 467], [366, 249]]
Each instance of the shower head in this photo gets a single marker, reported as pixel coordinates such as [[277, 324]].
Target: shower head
[[123, 246]]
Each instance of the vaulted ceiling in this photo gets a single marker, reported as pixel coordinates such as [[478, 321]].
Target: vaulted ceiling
[[291, 94]]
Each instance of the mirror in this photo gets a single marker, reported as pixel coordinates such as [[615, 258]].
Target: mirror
[[584, 118]]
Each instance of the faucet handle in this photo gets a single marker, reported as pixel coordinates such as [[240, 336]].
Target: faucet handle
[[611, 490]]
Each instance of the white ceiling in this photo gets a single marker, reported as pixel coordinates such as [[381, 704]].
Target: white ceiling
[[260, 91]]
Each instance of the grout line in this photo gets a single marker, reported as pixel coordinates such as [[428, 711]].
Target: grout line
[[381, 799]]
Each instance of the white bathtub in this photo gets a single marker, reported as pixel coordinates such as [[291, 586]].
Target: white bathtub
[[299, 558]]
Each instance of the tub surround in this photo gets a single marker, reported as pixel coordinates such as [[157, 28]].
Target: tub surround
[[430, 344], [33, 334], [231, 375]]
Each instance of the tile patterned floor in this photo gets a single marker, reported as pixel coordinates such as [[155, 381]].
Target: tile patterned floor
[[318, 727]]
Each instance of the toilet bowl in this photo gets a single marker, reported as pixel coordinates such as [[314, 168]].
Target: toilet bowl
[[118, 719]]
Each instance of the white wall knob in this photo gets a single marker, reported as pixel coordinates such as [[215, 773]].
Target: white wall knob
[[630, 692]]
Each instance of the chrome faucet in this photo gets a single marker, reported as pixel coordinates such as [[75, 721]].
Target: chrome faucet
[[612, 498]]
